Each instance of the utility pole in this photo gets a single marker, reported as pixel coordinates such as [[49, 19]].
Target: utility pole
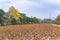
[[50, 21]]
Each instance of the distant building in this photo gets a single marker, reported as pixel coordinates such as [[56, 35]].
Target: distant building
[[48, 21]]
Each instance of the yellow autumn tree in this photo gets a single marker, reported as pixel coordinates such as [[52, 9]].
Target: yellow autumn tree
[[14, 13]]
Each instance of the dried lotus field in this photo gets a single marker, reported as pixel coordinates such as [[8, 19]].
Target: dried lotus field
[[30, 32]]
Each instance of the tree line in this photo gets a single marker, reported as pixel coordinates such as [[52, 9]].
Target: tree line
[[13, 16]]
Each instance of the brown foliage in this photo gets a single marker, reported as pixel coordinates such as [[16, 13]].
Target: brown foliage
[[30, 32]]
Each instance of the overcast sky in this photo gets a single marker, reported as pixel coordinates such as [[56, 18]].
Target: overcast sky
[[35, 8]]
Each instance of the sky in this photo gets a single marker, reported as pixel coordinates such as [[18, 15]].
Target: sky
[[35, 8]]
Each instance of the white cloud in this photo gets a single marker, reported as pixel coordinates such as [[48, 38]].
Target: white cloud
[[24, 3], [52, 1], [19, 4], [2, 0], [56, 12], [32, 7]]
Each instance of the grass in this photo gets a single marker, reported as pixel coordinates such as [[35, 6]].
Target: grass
[[56, 25]]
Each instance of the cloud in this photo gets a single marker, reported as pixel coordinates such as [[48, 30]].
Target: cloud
[[19, 4], [52, 1], [38, 8]]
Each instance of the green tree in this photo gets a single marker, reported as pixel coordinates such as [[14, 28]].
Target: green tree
[[58, 19], [2, 14], [35, 20], [28, 20], [23, 18]]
